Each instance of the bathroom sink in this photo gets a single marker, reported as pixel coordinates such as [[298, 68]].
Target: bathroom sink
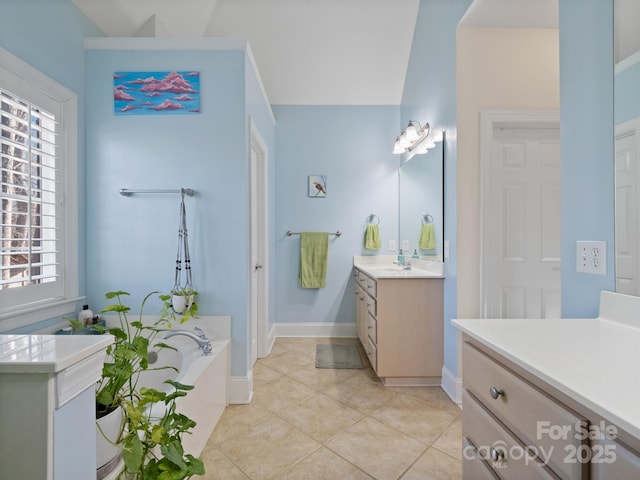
[[388, 271]]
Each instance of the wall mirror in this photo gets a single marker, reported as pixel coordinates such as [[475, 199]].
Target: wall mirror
[[421, 201], [627, 145]]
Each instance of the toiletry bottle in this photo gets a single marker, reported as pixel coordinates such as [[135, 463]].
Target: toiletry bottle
[[85, 316], [415, 254], [400, 256]]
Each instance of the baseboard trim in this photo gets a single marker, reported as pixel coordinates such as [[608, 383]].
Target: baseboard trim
[[451, 385], [315, 329], [241, 389]]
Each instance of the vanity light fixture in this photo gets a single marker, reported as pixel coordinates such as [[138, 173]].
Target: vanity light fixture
[[411, 138]]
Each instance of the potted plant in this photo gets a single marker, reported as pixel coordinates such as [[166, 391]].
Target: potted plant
[[183, 301], [149, 446]]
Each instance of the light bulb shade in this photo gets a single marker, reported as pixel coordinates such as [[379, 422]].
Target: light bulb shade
[[404, 141], [412, 132], [397, 148]]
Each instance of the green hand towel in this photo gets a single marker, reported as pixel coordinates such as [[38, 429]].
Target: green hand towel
[[427, 237], [372, 237], [314, 254]]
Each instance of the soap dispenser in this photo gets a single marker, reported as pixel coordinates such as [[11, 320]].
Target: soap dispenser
[[400, 256], [85, 316], [415, 254]]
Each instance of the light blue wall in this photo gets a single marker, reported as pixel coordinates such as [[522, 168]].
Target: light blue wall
[[47, 34], [351, 145], [132, 241], [430, 95], [264, 120], [627, 94], [586, 143]]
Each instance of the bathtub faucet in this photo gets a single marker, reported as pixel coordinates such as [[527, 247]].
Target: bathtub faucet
[[203, 342]]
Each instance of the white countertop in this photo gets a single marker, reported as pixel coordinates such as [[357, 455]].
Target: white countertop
[[47, 353], [382, 266], [594, 361]]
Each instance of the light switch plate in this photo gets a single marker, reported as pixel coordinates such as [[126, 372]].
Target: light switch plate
[[392, 245], [591, 257], [405, 246]]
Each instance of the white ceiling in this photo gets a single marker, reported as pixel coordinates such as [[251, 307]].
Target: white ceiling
[[310, 52], [327, 52]]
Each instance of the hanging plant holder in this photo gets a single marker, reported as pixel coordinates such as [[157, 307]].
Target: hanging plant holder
[[183, 297]]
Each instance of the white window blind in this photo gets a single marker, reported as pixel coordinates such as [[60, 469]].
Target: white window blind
[[38, 196], [29, 190]]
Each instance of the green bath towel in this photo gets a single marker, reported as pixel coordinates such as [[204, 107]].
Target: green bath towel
[[372, 237], [427, 237], [314, 255]]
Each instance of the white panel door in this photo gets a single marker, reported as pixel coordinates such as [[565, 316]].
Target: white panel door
[[627, 223], [521, 224]]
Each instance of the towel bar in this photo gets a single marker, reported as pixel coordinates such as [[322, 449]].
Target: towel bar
[[127, 192], [337, 234]]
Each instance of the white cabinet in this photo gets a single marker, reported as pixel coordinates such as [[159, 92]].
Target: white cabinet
[[519, 427], [399, 322], [47, 405]]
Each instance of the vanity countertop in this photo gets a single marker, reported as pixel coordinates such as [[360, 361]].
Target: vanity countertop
[[47, 353], [382, 266], [595, 361]]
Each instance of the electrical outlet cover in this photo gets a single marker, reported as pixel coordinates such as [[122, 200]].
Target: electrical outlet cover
[[591, 257]]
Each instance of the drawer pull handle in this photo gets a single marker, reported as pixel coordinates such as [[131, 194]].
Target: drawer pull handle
[[496, 455], [369, 327], [495, 392]]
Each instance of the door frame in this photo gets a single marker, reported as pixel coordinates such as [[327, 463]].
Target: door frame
[[257, 143], [489, 121], [623, 129]]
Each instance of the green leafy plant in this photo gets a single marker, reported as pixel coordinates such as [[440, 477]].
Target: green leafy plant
[[152, 447], [191, 310]]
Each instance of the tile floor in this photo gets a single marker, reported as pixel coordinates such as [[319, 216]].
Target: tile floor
[[322, 424]]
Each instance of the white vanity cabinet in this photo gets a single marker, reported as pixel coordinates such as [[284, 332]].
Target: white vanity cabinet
[[553, 398], [47, 405], [399, 322]]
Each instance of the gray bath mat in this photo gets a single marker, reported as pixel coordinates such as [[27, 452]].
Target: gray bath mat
[[337, 356]]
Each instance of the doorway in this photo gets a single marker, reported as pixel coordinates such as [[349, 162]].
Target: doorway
[[259, 234], [627, 212], [520, 214]]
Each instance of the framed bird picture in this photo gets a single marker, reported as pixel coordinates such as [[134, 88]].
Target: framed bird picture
[[318, 186]]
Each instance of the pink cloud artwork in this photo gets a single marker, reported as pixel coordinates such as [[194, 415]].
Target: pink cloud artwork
[[157, 92]]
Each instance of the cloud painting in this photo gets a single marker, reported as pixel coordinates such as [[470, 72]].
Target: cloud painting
[[153, 93]]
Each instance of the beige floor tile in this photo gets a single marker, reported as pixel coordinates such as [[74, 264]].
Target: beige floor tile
[[262, 373], [323, 464], [218, 467], [280, 394], [321, 417], [451, 440], [361, 393], [322, 378], [434, 465], [415, 417], [268, 448], [238, 419], [434, 396], [376, 448], [290, 361]]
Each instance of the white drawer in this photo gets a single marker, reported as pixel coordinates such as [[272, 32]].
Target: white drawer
[[500, 449], [529, 413], [76, 379], [473, 467], [371, 305], [371, 287], [372, 328], [611, 460], [372, 353]]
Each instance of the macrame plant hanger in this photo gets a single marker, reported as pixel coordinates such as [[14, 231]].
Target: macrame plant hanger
[[183, 249]]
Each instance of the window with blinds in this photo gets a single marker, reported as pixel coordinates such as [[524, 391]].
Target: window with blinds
[[28, 255], [39, 262]]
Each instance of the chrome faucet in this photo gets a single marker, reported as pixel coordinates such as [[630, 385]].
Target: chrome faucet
[[203, 342], [406, 265]]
